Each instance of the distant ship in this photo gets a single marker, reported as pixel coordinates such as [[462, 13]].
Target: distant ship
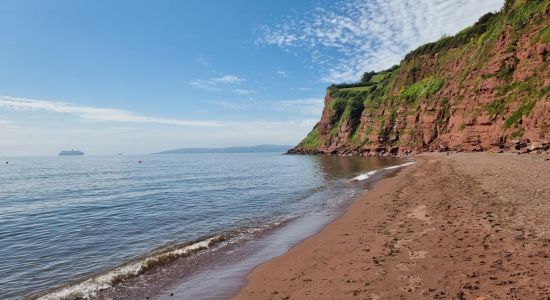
[[70, 152]]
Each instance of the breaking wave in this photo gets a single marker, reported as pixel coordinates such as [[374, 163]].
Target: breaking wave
[[364, 176], [369, 174], [400, 166]]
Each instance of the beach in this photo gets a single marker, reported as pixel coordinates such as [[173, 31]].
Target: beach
[[458, 226]]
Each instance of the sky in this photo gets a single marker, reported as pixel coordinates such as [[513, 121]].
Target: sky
[[143, 76]]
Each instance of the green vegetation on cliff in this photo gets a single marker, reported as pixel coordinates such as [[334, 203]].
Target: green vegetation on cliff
[[312, 141], [422, 89]]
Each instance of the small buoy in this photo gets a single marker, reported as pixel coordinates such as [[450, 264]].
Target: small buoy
[[139, 162], [7, 162]]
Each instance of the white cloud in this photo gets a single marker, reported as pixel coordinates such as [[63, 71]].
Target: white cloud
[[244, 91], [372, 35], [215, 84], [96, 113], [240, 104], [310, 106], [282, 73], [229, 79]]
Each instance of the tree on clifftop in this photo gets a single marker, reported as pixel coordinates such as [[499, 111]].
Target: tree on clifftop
[[367, 76]]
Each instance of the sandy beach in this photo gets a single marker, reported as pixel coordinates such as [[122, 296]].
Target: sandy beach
[[459, 226]]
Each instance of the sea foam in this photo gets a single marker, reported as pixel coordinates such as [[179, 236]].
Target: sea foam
[[88, 288], [400, 166], [91, 286], [369, 174], [365, 176]]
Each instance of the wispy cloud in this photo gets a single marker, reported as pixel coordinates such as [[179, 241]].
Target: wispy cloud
[[244, 91], [216, 84], [229, 79], [282, 73], [202, 61], [240, 104], [100, 114], [310, 106], [96, 113], [371, 35]]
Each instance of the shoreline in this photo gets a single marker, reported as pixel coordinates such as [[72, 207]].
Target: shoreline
[[169, 270], [451, 226], [227, 272]]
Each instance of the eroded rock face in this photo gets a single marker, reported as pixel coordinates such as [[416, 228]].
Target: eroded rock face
[[493, 93]]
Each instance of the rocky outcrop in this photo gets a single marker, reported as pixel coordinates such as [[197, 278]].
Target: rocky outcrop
[[487, 88]]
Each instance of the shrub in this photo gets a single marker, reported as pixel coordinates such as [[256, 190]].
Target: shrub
[[338, 105], [367, 76]]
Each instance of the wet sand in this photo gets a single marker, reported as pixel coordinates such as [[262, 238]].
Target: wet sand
[[460, 226]]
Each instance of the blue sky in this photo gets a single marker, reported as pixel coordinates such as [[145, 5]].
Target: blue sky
[[144, 76]]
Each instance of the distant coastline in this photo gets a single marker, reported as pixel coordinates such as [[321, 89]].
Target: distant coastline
[[243, 149]]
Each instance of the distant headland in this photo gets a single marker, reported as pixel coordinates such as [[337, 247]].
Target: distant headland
[[243, 149]]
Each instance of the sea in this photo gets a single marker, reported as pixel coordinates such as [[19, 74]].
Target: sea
[[164, 226]]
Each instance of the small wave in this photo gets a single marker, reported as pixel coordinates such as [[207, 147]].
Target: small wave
[[87, 288], [91, 286], [400, 166], [369, 174], [365, 176]]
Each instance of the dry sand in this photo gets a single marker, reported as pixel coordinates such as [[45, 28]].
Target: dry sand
[[458, 226]]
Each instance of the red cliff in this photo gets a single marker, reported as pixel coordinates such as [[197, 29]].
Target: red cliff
[[486, 88]]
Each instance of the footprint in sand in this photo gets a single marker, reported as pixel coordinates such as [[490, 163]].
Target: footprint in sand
[[418, 254], [405, 266], [420, 213]]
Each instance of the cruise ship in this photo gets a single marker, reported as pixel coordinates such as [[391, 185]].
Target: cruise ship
[[70, 152]]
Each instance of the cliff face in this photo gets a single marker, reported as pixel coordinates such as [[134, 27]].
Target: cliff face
[[486, 88]]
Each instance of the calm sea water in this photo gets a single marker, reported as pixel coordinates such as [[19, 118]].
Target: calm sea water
[[65, 217]]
